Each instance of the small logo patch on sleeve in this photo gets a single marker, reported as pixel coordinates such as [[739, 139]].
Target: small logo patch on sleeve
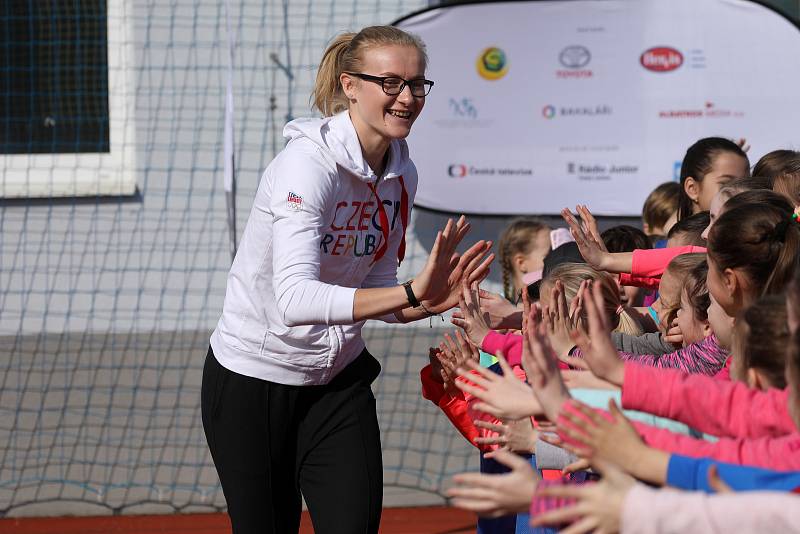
[[294, 202]]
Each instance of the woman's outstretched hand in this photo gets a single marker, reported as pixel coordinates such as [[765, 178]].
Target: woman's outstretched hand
[[438, 285]]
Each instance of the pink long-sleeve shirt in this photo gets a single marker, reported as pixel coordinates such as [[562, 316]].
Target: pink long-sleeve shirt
[[648, 265], [777, 453], [717, 407], [650, 511]]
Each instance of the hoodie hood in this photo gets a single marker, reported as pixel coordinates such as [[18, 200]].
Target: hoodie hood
[[336, 136]]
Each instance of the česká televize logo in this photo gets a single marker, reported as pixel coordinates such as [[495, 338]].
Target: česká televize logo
[[661, 59], [492, 64], [457, 170]]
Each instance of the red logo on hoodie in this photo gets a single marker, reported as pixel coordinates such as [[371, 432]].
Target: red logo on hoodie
[[294, 201]]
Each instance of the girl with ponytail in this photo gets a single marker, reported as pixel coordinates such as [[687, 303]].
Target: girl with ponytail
[[523, 245], [286, 400], [753, 250]]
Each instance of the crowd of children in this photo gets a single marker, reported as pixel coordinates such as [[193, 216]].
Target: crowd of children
[[639, 381]]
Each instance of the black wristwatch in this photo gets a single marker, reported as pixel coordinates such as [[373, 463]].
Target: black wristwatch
[[412, 298]]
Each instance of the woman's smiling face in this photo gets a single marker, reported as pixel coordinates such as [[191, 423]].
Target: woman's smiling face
[[372, 111]]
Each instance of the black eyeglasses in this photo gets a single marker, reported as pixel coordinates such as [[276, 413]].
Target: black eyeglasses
[[394, 85]]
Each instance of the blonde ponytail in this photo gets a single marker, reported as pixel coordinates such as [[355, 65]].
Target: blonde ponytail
[[328, 96], [346, 54]]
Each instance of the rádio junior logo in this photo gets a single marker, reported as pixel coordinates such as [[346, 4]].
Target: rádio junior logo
[[492, 63]]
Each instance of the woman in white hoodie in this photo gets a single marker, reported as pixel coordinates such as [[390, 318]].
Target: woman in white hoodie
[[286, 399]]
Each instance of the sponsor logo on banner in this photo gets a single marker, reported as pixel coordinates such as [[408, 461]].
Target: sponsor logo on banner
[[574, 58], [492, 63], [460, 170], [463, 108], [463, 113], [667, 59], [709, 110], [457, 170], [597, 171], [550, 111], [661, 59]]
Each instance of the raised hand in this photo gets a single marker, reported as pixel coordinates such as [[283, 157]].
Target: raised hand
[[541, 367], [610, 438], [472, 320], [590, 247], [504, 396], [438, 286], [454, 355], [515, 436], [584, 380], [597, 348], [496, 495], [589, 225], [597, 507], [497, 310], [561, 320]]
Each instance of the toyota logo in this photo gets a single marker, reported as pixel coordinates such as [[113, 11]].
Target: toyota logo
[[575, 57]]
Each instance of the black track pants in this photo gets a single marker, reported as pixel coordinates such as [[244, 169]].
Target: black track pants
[[270, 442]]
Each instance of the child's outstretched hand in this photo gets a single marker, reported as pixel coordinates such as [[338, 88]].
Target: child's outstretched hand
[[516, 436], [591, 248], [597, 507], [504, 396], [496, 495], [589, 225], [498, 310], [610, 438], [561, 319], [453, 353], [472, 319], [597, 347], [541, 366]]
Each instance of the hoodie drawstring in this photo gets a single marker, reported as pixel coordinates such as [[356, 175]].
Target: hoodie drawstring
[[401, 251]]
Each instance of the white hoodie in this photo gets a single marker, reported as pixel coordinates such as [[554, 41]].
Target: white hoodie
[[313, 233]]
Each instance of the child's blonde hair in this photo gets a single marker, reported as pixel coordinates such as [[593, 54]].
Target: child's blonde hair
[[346, 54], [660, 205], [572, 274], [517, 238]]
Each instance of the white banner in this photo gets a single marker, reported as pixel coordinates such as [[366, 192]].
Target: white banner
[[541, 105]]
